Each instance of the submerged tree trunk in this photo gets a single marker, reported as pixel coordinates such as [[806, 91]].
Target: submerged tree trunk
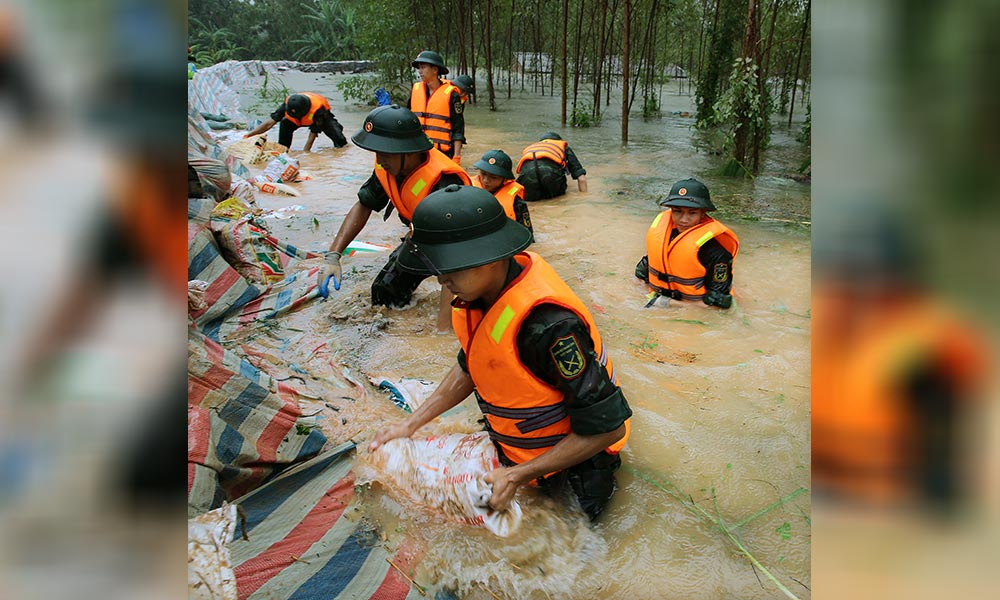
[[565, 34], [578, 67], [746, 130], [625, 69], [798, 60], [510, 47], [489, 55]]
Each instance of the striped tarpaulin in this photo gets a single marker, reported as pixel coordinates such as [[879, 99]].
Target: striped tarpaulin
[[232, 301], [227, 289], [301, 543], [209, 92], [239, 429]]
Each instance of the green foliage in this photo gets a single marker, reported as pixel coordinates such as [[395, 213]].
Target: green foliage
[[331, 30], [805, 134], [582, 118], [361, 89], [274, 92], [739, 107], [650, 107], [722, 48], [212, 45], [271, 93]]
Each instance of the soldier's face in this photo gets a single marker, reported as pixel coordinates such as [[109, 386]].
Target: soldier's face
[[427, 72], [478, 282], [686, 218], [491, 183], [398, 164]]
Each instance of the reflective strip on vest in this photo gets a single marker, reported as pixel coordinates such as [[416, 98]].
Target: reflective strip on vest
[[501, 325], [701, 241], [418, 187]]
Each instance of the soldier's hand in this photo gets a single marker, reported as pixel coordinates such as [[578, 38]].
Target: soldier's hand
[[457, 158], [399, 430], [504, 486], [329, 271], [713, 298]]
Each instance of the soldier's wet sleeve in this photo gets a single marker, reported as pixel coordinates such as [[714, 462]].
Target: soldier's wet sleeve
[[642, 268], [446, 180], [521, 213], [278, 114], [371, 195], [718, 264], [457, 118], [573, 164], [556, 346]]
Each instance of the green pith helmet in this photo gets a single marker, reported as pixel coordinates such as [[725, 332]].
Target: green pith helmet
[[464, 83], [688, 193], [550, 135], [495, 162], [432, 58], [458, 228], [297, 105], [392, 130]]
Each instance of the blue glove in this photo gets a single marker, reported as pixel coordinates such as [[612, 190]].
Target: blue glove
[[330, 270]]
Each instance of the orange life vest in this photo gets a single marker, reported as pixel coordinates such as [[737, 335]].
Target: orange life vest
[[526, 416], [316, 102], [434, 113], [674, 265], [863, 426], [554, 150], [506, 195], [419, 183]]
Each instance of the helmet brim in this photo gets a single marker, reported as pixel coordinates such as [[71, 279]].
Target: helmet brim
[[494, 169], [467, 254], [442, 70], [388, 145], [682, 202]]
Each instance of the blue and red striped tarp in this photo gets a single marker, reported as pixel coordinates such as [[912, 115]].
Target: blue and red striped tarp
[[232, 301], [302, 544], [240, 431]]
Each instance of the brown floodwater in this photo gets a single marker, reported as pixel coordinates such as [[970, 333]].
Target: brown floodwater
[[720, 398]]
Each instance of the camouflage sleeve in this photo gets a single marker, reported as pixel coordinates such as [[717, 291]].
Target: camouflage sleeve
[[555, 345], [573, 164]]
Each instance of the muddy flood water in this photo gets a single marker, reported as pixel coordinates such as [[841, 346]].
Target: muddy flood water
[[720, 398]]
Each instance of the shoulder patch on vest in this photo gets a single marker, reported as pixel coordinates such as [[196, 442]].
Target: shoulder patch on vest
[[459, 107], [720, 272], [567, 356]]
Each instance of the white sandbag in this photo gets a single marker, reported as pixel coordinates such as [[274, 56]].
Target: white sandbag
[[210, 567], [282, 169], [442, 476], [196, 295], [272, 187]]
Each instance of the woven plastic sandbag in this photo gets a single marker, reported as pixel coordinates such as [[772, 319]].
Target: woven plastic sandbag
[[442, 477], [210, 568]]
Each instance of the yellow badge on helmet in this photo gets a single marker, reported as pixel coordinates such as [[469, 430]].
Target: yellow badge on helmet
[[368, 126], [492, 161], [682, 192], [568, 357]]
